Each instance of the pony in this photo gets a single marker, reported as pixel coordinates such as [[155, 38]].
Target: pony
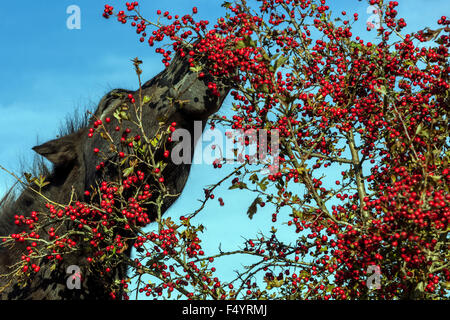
[[176, 94]]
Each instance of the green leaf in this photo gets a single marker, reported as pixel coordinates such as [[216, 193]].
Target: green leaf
[[254, 178], [226, 4], [356, 45], [279, 62], [117, 116], [128, 171], [266, 56], [287, 99], [196, 69], [29, 177], [263, 88], [154, 142], [41, 182], [253, 207], [234, 186], [249, 41], [161, 165], [124, 115], [146, 99], [274, 283], [240, 44], [238, 185], [263, 185], [436, 178], [424, 132], [296, 213], [382, 90], [419, 128]]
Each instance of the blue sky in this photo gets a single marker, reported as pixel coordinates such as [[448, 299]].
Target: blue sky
[[47, 70]]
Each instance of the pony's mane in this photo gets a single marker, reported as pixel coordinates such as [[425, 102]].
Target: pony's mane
[[74, 121]]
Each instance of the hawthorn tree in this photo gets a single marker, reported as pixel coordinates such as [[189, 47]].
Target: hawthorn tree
[[375, 112]]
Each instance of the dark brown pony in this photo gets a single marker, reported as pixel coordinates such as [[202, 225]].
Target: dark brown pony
[[74, 171]]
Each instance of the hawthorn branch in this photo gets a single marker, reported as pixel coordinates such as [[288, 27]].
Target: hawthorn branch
[[306, 177], [214, 187], [357, 167]]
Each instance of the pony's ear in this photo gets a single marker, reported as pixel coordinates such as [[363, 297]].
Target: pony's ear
[[60, 151]]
